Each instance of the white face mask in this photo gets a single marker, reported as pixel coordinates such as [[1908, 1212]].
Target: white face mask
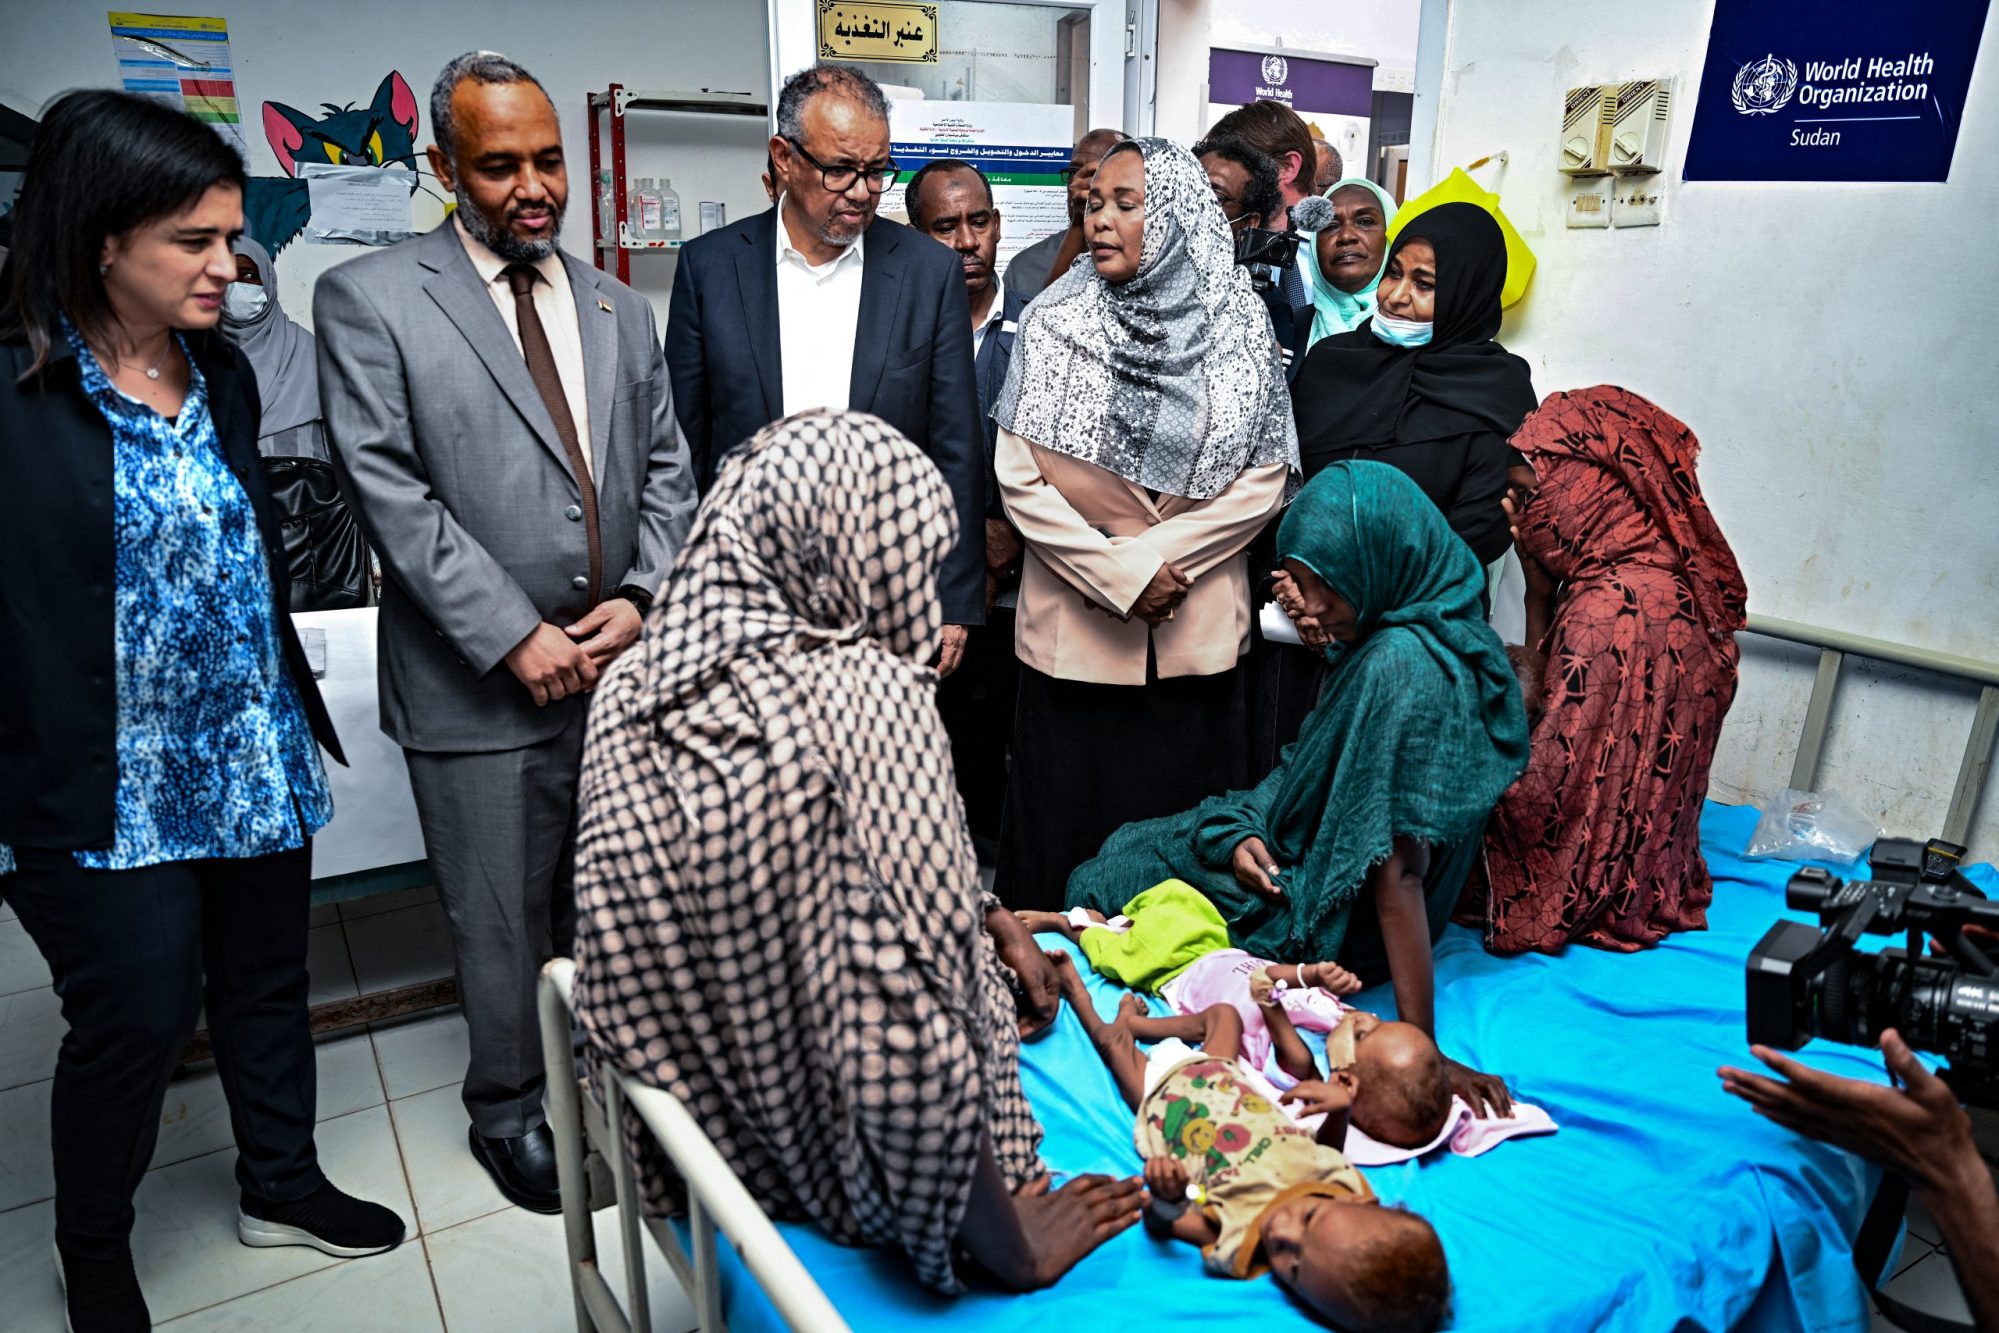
[[1401, 332], [244, 301]]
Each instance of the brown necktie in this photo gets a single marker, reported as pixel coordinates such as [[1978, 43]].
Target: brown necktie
[[541, 366]]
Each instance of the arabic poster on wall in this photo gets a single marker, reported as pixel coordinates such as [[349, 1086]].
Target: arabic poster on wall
[[1022, 147], [905, 34], [1336, 97], [1833, 90], [183, 62]]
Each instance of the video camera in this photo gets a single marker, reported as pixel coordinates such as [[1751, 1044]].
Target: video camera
[[1267, 252], [1807, 982]]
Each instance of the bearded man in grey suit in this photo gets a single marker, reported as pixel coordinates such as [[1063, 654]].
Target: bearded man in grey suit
[[503, 424]]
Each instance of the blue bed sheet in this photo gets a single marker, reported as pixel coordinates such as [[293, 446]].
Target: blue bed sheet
[[1662, 1204]]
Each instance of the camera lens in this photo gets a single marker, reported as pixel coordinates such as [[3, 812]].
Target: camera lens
[[1837, 1007]]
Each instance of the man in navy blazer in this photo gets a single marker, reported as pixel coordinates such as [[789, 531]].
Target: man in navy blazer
[[818, 303], [950, 201]]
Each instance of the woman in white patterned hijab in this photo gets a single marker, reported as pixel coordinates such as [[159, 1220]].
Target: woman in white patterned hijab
[[1145, 438], [1167, 376]]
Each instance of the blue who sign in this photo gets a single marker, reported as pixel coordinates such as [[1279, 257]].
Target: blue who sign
[[1833, 90]]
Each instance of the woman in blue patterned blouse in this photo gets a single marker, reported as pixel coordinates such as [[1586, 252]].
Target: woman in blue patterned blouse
[[160, 778]]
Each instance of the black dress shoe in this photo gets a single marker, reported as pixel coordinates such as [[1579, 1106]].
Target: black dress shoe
[[101, 1295], [523, 1167]]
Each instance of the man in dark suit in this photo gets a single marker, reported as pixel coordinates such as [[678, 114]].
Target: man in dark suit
[[951, 201], [818, 303]]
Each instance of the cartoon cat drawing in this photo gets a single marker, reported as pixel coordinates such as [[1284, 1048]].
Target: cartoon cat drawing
[[380, 134]]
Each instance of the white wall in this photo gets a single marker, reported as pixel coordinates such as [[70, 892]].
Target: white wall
[[1834, 348], [304, 54]]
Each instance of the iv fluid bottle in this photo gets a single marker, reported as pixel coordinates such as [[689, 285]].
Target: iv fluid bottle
[[669, 212], [646, 205]]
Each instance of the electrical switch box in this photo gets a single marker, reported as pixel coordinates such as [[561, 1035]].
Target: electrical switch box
[[1636, 201], [1589, 204], [1642, 115], [1587, 117]]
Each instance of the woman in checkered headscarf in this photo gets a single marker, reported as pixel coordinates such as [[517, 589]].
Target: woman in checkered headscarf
[[779, 914]]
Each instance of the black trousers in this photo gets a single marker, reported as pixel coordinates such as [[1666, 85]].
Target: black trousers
[[976, 702], [135, 954], [1089, 759]]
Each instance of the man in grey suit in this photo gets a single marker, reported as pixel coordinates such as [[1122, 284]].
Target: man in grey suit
[[503, 424]]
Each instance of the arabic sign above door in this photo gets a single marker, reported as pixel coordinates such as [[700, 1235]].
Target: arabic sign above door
[[1833, 90], [904, 34]]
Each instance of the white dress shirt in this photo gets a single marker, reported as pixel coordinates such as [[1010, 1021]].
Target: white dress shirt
[[992, 318], [818, 316], [555, 302]]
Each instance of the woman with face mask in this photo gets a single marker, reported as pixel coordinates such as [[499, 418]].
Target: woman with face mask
[[1423, 385], [324, 550]]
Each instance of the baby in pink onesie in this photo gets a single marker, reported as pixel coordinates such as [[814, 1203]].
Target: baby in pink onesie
[[1394, 1073]]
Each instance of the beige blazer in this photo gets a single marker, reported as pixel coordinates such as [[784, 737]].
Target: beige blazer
[[1092, 536]]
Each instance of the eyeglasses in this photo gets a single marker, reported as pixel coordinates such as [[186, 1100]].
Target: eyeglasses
[[1069, 174], [838, 179]]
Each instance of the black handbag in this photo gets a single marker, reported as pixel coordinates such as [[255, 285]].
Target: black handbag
[[324, 549]]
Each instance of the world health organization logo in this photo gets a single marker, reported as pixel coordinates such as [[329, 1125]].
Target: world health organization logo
[[1763, 86], [1275, 69]]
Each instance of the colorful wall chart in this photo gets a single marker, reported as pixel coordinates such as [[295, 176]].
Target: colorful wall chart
[[183, 62], [1022, 147]]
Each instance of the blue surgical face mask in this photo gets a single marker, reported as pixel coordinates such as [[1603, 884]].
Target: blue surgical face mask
[[1401, 332], [244, 301]]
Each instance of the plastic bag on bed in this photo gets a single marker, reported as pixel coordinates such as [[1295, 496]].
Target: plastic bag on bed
[[1813, 826]]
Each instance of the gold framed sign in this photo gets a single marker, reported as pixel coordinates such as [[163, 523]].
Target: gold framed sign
[[902, 33]]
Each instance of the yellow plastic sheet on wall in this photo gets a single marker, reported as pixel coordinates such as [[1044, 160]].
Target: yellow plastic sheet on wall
[[1458, 188]]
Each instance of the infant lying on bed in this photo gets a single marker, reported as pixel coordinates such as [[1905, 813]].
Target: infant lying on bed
[[1266, 1194], [1172, 942]]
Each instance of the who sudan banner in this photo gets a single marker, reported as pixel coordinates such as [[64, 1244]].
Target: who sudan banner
[[1834, 90]]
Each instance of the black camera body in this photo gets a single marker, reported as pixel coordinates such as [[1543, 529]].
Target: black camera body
[[1806, 982], [1266, 253]]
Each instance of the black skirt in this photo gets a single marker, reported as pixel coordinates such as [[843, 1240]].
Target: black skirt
[[1088, 759]]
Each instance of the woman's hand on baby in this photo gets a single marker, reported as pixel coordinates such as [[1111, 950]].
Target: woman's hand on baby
[[1486, 1094], [1256, 869], [1166, 1179], [1322, 1096]]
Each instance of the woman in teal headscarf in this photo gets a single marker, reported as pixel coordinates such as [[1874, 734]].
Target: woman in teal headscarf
[[1356, 846], [1346, 258]]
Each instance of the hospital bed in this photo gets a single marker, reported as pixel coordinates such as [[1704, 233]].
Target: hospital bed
[[1661, 1204]]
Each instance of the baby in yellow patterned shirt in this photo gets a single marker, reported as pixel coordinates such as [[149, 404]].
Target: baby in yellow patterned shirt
[[1229, 1170]]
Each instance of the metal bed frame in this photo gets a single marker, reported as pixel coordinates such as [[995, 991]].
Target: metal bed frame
[[717, 1201], [587, 1130], [1835, 646]]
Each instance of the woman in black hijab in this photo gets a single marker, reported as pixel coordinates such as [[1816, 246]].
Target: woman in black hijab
[[1424, 387]]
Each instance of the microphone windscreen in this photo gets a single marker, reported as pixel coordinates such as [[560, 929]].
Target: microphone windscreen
[[1314, 213]]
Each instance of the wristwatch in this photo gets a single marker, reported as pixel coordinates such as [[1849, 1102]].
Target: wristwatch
[[636, 595]]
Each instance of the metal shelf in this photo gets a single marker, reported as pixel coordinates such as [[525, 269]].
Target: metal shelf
[[618, 99], [702, 102]]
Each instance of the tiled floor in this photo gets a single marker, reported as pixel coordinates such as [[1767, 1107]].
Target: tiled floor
[[391, 1128]]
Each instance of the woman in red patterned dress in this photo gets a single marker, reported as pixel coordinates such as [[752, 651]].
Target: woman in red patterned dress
[[1634, 598]]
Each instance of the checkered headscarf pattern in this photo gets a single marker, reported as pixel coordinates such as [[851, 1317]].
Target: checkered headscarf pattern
[[779, 917]]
